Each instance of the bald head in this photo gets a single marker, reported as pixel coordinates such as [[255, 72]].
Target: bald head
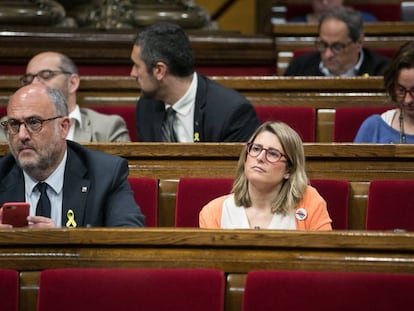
[[55, 70], [37, 127]]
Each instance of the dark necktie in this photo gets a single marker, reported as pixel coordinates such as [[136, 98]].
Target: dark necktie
[[43, 205], [168, 134]]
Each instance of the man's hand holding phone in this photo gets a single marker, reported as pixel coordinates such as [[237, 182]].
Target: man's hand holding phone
[[15, 214]]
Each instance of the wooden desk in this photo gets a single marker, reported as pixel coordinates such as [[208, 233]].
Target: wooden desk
[[98, 52], [234, 251]]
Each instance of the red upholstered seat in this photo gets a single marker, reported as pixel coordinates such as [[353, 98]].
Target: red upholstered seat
[[193, 194], [326, 291], [390, 205], [146, 195], [131, 289], [336, 194], [126, 112], [9, 290], [348, 120], [301, 119], [3, 111]]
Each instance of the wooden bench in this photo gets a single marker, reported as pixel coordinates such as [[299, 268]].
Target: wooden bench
[[324, 94], [236, 252], [357, 163], [108, 52]]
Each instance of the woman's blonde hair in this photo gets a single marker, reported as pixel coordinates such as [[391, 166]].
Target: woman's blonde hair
[[294, 187]]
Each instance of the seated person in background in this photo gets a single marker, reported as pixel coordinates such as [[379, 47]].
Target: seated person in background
[[59, 72], [396, 125], [271, 188], [177, 104], [340, 49], [320, 6], [65, 183]]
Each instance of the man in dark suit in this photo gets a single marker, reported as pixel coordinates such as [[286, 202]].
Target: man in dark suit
[[340, 49], [203, 111], [66, 184]]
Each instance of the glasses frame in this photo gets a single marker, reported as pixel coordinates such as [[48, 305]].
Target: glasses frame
[[250, 145], [15, 130], [336, 47], [28, 78], [404, 91]]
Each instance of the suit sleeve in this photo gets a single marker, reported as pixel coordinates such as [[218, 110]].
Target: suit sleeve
[[241, 124], [121, 210]]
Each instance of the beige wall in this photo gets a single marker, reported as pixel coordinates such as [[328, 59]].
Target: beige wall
[[239, 17]]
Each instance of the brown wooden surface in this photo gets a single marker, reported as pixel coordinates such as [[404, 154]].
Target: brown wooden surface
[[234, 251], [113, 47], [318, 92], [354, 162]]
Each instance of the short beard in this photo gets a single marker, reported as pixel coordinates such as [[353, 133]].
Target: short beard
[[148, 94]]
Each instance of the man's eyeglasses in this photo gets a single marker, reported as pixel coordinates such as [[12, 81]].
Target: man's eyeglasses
[[42, 74], [32, 124], [272, 154], [401, 92], [336, 48]]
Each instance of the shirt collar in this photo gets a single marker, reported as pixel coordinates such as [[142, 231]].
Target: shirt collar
[[76, 115], [55, 180], [350, 73], [184, 104]]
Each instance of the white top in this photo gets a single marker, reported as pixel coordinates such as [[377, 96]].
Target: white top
[[184, 117], [234, 217]]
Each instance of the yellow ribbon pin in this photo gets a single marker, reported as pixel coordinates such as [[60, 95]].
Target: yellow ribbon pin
[[71, 223], [196, 136]]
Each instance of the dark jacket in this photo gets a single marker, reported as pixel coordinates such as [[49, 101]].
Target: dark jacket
[[220, 115], [308, 65], [95, 187]]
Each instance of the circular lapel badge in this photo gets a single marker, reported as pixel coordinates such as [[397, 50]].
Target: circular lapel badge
[[301, 214]]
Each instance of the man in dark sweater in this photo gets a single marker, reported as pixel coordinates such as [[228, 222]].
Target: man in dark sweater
[[340, 49]]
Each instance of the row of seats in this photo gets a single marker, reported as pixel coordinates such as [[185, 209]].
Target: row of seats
[[303, 119], [203, 289], [389, 201]]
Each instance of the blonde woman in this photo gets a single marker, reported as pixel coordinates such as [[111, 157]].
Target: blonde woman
[[271, 188]]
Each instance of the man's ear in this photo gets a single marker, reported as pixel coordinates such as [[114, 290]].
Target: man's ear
[[74, 82], [160, 70], [360, 41], [65, 126]]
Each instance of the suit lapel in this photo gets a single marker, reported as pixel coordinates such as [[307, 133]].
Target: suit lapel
[[75, 189], [83, 134], [12, 187], [200, 103], [159, 119]]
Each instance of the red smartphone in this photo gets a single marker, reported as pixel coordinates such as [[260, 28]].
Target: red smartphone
[[15, 213]]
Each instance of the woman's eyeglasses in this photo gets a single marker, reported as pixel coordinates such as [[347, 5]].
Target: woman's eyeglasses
[[401, 92], [272, 154]]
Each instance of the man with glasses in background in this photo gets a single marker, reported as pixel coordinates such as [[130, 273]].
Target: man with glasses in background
[[340, 50], [65, 184], [58, 71]]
